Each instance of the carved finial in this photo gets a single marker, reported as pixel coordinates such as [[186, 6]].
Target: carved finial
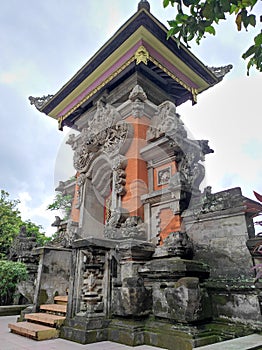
[[39, 102], [220, 72], [141, 55], [143, 4], [57, 222], [137, 94]]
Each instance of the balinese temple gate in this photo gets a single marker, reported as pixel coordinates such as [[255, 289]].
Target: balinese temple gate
[[151, 258]]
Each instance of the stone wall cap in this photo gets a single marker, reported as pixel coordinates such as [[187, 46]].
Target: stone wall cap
[[97, 242]]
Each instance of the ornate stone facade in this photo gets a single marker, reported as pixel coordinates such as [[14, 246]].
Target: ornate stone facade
[[146, 239]]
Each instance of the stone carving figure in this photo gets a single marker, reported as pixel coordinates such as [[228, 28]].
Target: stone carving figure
[[180, 245], [166, 122]]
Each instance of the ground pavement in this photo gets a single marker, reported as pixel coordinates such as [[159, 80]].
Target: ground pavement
[[10, 341]]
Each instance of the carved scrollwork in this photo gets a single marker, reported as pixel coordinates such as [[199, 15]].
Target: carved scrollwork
[[72, 141], [191, 173], [115, 138], [39, 102], [166, 122], [105, 117], [122, 226], [119, 166], [188, 155], [105, 133], [220, 72], [81, 157], [133, 227]]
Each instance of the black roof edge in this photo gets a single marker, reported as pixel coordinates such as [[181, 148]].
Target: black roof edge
[[153, 25]]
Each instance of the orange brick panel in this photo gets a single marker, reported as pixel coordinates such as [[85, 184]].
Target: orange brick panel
[[168, 223], [136, 170], [74, 210]]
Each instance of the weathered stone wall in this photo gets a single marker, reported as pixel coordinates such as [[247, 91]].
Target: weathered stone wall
[[239, 302], [220, 226], [53, 274], [220, 241]]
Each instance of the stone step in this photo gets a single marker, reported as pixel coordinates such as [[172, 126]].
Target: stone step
[[61, 299], [253, 341], [33, 330], [47, 319], [54, 308]]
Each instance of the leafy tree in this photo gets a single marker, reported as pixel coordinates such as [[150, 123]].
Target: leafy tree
[[10, 223], [10, 274], [62, 202], [196, 18], [34, 229]]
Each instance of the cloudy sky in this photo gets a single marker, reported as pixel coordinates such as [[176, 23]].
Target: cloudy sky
[[44, 43]]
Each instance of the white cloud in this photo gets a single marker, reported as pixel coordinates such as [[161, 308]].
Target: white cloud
[[229, 115], [37, 213]]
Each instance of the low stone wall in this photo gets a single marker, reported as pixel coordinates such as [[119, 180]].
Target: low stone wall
[[219, 234], [11, 310], [53, 275]]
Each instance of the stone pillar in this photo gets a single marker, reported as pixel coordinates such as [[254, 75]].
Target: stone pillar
[[136, 170]]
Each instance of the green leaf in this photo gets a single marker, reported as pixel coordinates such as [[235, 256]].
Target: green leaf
[[258, 40], [208, 10], [234, 8], [190, 36], [249, 52], [225, 4], [165, 3], [252, 20], [210, 30], [181, 17], [172, 23], [172, 31]]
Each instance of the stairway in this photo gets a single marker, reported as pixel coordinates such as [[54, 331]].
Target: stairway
[[45, 324]]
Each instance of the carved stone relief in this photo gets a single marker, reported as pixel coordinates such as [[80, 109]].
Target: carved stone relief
[[122, 226], [92, 288], [188, 153], [138, 98], [166, 121], [119, 174], [191, 173], [105, 133], [180, 245], [98, 154], [70, 233]]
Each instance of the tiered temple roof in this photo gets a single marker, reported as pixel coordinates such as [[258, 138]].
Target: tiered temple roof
[[140, 47]]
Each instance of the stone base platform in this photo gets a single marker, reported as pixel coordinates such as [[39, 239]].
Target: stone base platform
[[152, 332]]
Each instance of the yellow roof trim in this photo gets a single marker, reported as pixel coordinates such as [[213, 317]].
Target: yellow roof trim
[[140, 34]]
